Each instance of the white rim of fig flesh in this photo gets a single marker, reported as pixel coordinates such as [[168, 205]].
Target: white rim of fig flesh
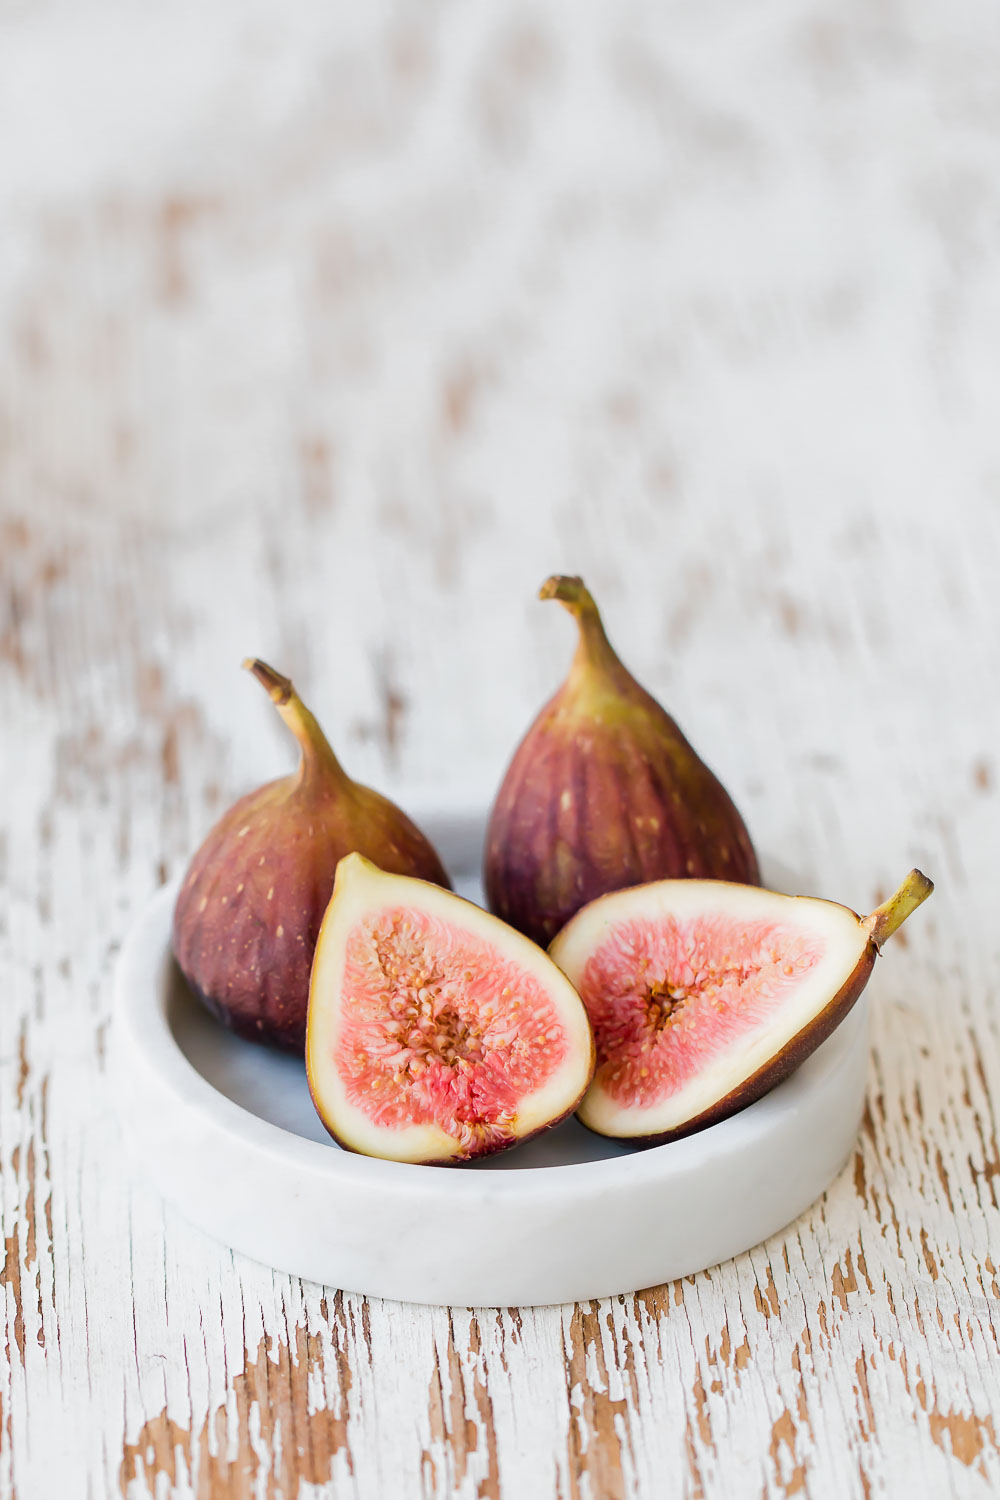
[[350, 1028], [650, 964]]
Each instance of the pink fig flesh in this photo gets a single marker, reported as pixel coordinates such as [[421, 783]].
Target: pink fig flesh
[[436, 1033], [249, 911], [704, 995], [604, 792]]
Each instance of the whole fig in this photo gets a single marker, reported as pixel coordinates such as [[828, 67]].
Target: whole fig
[[603, 792], [250, 908]]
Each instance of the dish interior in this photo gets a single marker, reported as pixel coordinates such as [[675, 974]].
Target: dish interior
[[272, 1085]]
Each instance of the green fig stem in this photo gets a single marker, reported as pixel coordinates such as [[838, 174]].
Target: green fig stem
[[594, 648], [318, 760], [885, 919]]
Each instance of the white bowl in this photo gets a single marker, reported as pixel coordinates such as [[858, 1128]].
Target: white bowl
[[228, 1132]]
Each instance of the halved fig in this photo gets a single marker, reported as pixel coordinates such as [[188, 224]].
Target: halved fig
[[704, 994], [435, 1032]]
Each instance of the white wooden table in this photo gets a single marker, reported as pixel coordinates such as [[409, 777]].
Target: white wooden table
[[327, 333]]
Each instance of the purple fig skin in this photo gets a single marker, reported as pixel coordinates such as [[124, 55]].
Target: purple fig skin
[[249, 911], [603, 792]]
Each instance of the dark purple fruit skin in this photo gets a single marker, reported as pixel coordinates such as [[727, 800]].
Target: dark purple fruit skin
[[605, 792], [249, 912]]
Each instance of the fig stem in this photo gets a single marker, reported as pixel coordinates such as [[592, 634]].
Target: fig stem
[[885, 919], [594, 649], [317, 754]]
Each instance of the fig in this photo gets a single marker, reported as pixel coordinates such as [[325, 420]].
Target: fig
[[249, 910], [603, 792], [436, 1033], [703, 995]]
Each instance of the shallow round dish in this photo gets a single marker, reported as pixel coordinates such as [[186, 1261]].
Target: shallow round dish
[[228, 1132]]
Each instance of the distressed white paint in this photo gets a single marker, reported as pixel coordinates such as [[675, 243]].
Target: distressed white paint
[[327, 333]]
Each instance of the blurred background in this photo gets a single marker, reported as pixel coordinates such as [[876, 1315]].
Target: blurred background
[[329, 332]]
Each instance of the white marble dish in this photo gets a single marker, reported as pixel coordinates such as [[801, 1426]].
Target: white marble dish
[[228, 1132]]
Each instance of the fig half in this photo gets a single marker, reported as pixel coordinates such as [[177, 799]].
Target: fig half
[[603, 792], [436, 1033], [704, 995], [250, 907]]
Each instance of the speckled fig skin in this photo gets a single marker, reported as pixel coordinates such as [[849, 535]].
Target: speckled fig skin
[[249, 912], [603, 792]]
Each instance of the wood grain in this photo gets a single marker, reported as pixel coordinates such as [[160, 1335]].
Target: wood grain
[[328, 336]]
